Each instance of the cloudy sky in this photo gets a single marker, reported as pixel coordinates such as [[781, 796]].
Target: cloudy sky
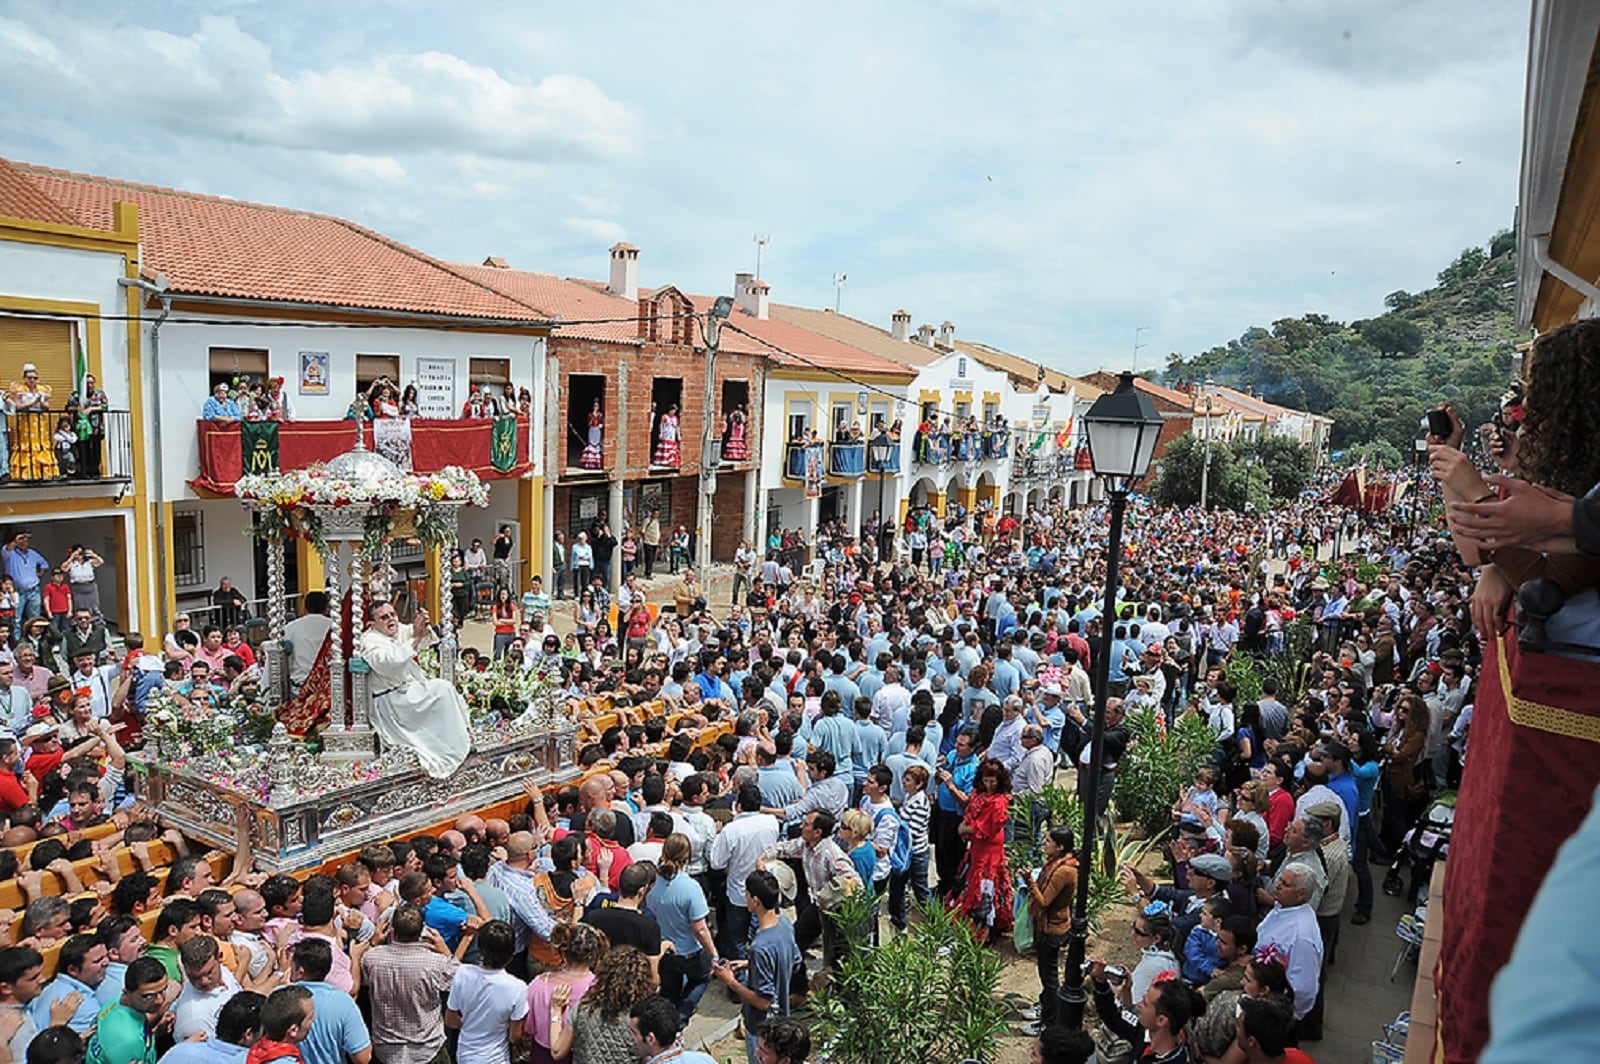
[[1046, 174]]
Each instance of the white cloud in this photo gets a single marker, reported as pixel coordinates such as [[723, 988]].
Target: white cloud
[[597, 228], [1045, 175], [221, 81]]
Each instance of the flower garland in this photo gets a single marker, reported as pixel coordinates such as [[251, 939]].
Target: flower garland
[[287, 503], [198, 729], [495, 695]]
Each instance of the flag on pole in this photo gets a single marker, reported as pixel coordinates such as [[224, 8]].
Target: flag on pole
[[80, 361]]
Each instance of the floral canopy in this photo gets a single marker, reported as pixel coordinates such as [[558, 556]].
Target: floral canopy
[[396, 502]]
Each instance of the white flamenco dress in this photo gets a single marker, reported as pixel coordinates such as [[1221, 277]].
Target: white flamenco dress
[[408, 709]]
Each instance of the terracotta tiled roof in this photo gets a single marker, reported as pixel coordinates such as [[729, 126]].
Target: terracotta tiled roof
[[21, 198], [570, 300], [1107, 380], [804, 349], [1026, 371], [211, 246], [857, 333]]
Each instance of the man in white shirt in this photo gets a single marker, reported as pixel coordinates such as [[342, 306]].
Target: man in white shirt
[[1006, 746], [306, 634], [891, 697], [207, 986], [736, 849], [1292, 927], [485, 1000]]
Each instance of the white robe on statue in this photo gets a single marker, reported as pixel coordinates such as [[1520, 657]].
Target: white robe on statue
[[409, 709]]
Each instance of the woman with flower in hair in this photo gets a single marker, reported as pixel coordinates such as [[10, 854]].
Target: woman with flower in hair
[[986, 897], [576, 948]]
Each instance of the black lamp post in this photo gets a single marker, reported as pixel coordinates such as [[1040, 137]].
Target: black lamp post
[[881, 448], [1122, 427]]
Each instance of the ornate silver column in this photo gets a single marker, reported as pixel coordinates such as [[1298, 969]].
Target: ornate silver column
[[277, 676], [333, 563], [447, 641], [360, 704]]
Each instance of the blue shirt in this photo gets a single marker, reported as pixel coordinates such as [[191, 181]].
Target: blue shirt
[[337, 1028], [109, 992], [446, 919], [1349, 792], [837, 735], [1005, 679], [211, 1051], [58, 988], [214, 408], [962, 772], [677, 903], [779, 787], [23, 566], [872, 743]]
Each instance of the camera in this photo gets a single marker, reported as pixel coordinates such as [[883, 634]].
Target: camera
[[1438, 423]]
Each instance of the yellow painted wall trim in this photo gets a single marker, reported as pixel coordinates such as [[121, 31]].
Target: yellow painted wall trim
[[781, 374]]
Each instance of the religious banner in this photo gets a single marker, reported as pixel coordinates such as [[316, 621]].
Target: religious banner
[[391, 437], [314, 372], [814, 472], [259, 446], [503, 444], [436, 387]]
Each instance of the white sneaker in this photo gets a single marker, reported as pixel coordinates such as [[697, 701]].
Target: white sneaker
[[1031, 1013], [1031, 1030]]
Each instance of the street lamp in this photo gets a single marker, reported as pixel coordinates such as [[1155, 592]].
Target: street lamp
[[1205, 470], [881, 449], [1123, 428]]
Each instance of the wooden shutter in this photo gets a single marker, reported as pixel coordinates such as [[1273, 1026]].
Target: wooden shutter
[[47, 344]]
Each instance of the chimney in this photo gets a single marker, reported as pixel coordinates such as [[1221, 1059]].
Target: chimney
[[751, 293], [947, 335], [900, 327], [497, 263], [925, 335], [624, 271]]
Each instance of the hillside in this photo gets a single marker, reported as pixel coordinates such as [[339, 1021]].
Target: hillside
[[1376, 377]]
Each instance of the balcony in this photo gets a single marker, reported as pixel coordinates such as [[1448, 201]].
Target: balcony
[[964, 447], [848, 459], [37, 459], [997, 444], [933, 448], [889, 467], [798, 458], [434, 444]]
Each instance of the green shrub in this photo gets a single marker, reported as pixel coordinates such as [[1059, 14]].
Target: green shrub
[[927, 995], [1159, 763]]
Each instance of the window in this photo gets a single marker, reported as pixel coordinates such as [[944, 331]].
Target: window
[[799, 418], [878, 417], [370, 367], [844, 414], [188, 548], [48, 345], [930, 414], [963, 410], [495, 372], [990, 411], [583, 391], [230, 363], [735, 396], [666, 397]]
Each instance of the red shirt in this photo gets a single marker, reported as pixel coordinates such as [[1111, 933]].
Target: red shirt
[[57, 597], [12, 794], [1280, 810], [41, 765]]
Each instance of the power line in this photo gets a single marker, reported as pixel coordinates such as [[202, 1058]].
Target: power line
[[476, 324]]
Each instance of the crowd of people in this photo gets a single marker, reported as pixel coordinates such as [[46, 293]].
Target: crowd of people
[[882, 729]]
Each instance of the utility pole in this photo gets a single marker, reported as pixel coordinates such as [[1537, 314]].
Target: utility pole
[[1205, 470], [838, 290], [709, 458], [762, 240]]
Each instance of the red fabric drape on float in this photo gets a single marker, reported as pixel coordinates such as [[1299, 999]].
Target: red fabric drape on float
[[1533, 761]]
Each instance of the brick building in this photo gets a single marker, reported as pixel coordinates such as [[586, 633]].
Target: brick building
[[639, 354], [1176, 407]]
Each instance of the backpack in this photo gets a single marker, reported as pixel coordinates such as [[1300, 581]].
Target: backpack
[[900, 852]]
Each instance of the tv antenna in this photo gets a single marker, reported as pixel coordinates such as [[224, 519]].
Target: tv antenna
[[838, 289], [762, 240], [1137, 329]]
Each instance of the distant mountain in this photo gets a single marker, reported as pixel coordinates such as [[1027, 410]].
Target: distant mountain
[[1376, 377]]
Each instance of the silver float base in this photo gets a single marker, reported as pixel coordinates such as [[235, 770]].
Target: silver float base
[[311, 830]]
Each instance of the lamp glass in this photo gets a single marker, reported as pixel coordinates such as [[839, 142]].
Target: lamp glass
[[881, 448], [1122, 429]]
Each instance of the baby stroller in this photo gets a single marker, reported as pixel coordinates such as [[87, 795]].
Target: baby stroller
[[1428, 841]]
